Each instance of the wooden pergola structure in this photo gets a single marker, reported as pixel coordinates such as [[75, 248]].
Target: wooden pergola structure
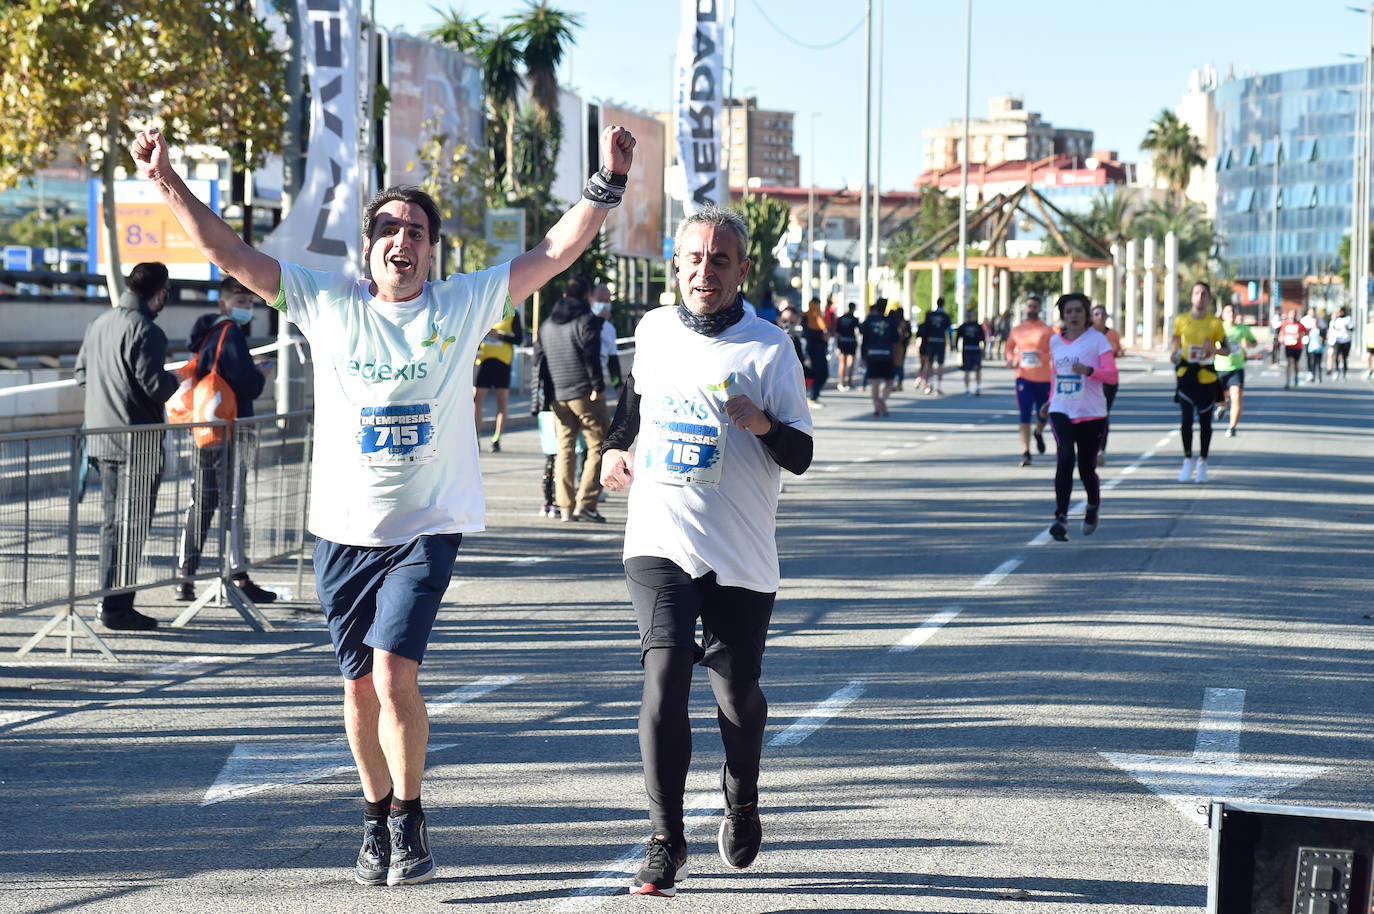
[[995, 266]]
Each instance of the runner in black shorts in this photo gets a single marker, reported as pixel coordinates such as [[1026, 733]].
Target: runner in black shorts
[[704, 492], [847, 342], [880, 342], [971, 338], [494, 357]]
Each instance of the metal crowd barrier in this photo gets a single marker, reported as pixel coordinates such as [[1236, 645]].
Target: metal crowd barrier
[[85, 513]]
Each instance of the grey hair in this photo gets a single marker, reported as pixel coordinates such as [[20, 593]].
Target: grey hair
[[720, 218]]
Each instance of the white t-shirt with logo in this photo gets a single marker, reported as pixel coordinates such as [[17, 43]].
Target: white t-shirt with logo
[[395, 451], [705, 493], [1078, 396]]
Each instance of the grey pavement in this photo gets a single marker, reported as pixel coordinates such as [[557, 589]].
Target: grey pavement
[[963, 714]]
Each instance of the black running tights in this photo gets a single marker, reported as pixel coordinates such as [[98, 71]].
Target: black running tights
[[665, 733], [1204, 424], [1078, 442]]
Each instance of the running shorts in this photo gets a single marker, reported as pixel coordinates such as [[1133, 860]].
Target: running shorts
[[1030, 396], [1228, 379], [847, 347], [1294, 353], [936, 351], [973, 359], [492, 373], [668, 602], [382, 597], [880, 368]]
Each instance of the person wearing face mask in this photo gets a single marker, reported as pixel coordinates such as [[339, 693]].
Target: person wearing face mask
[[120, 366], [610, 358], [219, 342]]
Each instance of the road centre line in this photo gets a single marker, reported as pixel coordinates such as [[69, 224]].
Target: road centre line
[[992, 578], [925, 631]]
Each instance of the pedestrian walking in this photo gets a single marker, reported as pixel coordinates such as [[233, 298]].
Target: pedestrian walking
[[396, 448], [1340, 332], [847, 342], [120, 365], [816, 339], [715, 406], [494, 358], [971, 337], [879, 343]]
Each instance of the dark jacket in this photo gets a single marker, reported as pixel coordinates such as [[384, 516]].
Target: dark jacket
[[235, 361], [568, 351], [120, 366]]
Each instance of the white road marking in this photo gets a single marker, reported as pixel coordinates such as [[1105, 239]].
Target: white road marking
[[484, 686], [925, 631], [817, 717], [188, 665], [992, 578], [1214, 770]]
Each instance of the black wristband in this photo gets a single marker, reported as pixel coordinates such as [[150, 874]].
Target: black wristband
[[614, 177]]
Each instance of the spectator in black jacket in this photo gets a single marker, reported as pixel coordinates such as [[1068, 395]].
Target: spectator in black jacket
[[567, 354], [120, 367], [218, 342]]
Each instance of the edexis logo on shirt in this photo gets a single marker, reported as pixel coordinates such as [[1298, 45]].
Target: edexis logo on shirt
[[434, 338]]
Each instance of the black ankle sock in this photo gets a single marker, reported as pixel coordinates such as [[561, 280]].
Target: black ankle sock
[[401, 807], [377, 811]]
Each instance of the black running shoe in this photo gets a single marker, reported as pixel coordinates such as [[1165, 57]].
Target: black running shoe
[[374, 858], [589, 513], [126, 620], [1060, 528], [186, 592], [1025, 458], [253, 591], [496, 446], [1090, 521], [740, 831], [665, 865], [411, 861], [1039, 442]]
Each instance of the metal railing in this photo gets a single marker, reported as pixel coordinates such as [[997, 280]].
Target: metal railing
[[86, 514]]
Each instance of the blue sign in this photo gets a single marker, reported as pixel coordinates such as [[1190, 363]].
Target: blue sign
[[668, 248], [1252, 291], [18, 257]]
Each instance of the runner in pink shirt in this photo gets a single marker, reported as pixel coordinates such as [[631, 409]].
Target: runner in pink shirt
[[1083, 361]]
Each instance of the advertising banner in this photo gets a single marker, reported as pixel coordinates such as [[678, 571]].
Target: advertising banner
[[697, 105], [323, 229], [635, 227], [148, 231]]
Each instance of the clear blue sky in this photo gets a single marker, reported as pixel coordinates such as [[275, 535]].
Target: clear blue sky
[[1102, 68]]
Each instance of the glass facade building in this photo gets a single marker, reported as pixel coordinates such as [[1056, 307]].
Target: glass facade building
[[1303, 121]]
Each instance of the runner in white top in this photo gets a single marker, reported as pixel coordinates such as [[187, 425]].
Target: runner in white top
[[716, 403], [1083, 360], [1339, 333], [395, 464]]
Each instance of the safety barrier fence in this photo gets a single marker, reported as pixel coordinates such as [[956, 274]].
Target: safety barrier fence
[[90, 513]]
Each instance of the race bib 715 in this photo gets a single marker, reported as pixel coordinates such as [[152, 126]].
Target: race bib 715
[[396, 434]]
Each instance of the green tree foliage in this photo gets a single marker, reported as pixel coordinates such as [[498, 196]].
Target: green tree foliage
[[39, 230], [455, 176], [96, 71], [767, 219], [1175, 149]]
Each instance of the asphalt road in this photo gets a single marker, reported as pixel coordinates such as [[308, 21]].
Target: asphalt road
[[965, 716]]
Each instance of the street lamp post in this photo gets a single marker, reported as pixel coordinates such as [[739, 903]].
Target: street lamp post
[[863, 193], [878, 151], [960, 290], [811, 213]]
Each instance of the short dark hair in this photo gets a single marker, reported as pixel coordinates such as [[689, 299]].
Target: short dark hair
[[231, 286], [404, 193], [940, 302], [148, 279], [1034, 298], [1070, 297], [575, 288]]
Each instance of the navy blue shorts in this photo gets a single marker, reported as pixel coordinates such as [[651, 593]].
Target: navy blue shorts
[[1030, 396], [383, 597], [668, 602]]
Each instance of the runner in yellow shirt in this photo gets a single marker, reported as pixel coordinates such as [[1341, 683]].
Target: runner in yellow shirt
[[1198, 338]]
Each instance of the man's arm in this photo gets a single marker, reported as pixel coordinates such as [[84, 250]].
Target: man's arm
[[571, 234], [220, 244]]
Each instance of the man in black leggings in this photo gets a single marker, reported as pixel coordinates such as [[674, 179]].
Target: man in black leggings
[[715, 405]]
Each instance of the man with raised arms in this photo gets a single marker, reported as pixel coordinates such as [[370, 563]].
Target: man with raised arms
[[395, 467]]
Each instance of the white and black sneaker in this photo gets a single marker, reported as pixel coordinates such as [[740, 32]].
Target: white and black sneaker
[[374, 858], [411, 861], [665, 865], [589, 513]]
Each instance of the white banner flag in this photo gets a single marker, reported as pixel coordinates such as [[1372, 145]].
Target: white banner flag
[[322, 230], [700, 120]]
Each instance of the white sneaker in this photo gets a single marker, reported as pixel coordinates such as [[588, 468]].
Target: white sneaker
[[1186, 474], [1201, 471]]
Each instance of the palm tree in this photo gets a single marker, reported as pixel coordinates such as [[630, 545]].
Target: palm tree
[[546, 33], [1110, 216], [1175, 149], [1197, 236]]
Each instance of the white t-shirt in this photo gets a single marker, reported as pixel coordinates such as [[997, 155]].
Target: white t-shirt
[[1078, 396], [705, 494], [395, 451], [1340, 329]]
